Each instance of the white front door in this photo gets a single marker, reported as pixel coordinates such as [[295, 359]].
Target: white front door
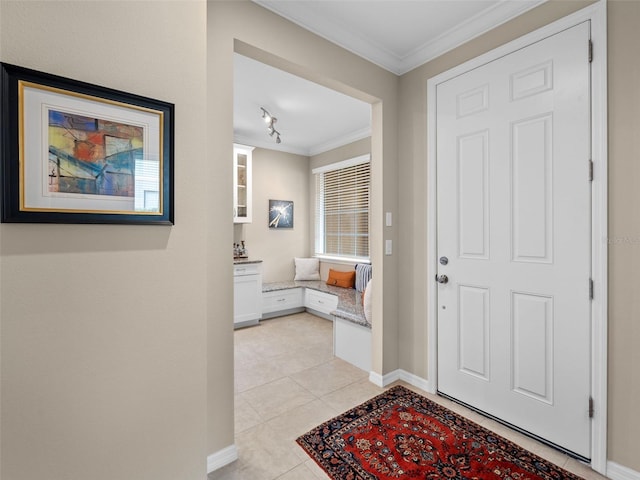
[[514, 223]]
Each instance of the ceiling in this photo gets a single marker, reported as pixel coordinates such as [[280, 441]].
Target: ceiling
[[311, 118], [398, 35]]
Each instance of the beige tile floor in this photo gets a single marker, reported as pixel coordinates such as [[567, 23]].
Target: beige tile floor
[[287, 381]]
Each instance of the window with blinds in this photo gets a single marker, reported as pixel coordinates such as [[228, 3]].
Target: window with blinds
[[342, 209]]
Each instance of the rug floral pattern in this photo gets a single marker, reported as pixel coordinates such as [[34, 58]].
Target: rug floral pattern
[[402, 435]]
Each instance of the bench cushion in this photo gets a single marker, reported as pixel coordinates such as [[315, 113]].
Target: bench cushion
[[341, 279], [363, 275], [366, 302], [307, 269]]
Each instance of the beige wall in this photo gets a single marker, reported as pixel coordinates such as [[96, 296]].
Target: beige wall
[[345, 152], [104, 327], [277, 176], [219, 235], [624, 233], [624, 146]]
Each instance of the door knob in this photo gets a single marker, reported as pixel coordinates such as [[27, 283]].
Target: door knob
[[442, 279]]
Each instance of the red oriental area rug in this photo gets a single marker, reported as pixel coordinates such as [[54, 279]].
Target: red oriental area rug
[[402, 435]]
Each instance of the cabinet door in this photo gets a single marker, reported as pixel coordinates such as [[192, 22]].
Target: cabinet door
[[247, 298], [282, 300], [242, 191], [320, 301]]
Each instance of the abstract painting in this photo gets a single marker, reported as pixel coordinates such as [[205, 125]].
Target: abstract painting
[[280, 214], [92, 156], [74, 152]]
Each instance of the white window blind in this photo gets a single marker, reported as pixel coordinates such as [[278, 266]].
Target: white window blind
[[342, 209]]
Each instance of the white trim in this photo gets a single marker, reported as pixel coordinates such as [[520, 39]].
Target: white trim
[[326, 27], [616, 471], [400, 374], [351, 162], [342, 260], [383, 381], [596, 13], [599, 152], [221, 458], [340, 141], [286, 147], [241, 146], [271, 145], [416, 381], [475, 26]]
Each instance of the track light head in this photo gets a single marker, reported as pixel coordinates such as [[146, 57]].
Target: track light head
[[266, 116], [270, 120]]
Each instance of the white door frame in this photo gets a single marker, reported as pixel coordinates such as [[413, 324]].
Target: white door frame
[[597, 13]]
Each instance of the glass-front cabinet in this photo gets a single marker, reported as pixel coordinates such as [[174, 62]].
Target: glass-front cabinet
[[242, 204]]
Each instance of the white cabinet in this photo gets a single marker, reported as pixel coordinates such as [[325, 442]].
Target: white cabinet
[[242, 199], [279, 302], [247, 294], [320, 302]]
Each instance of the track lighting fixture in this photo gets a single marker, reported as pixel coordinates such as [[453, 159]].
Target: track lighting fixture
[[270, 120]]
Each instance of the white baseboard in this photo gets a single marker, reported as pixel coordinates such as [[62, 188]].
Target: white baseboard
[[616, 471], [221, 458], [383, 381], [410, 378]]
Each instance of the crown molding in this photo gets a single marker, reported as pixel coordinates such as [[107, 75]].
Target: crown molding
[[466, 31], [326, 28], [340, 141], [270, 145], [307, 152]]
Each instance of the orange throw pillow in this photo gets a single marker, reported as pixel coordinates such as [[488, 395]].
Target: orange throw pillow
[[341, 279]]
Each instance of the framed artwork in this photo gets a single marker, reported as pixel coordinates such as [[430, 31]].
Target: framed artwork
[[73, 152], [280, 214]]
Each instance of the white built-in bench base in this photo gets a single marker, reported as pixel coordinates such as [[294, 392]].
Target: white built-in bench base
[[351, 331], [352, 342]]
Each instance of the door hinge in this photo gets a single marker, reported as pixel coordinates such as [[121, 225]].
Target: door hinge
[[591, 411], [590, 289], [591, 170], [590, 51]]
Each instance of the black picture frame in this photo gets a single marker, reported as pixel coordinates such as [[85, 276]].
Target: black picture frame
[[280, 214], [74, 152]]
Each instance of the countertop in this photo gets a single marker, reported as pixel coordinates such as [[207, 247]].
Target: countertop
[[242, 261]]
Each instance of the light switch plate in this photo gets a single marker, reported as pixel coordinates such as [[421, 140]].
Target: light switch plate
[[389, 219], [388, 247]]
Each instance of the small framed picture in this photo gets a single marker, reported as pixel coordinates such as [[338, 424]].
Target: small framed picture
[[280, 214], [74, 152]]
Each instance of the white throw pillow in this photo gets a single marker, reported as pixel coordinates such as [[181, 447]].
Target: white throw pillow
[[307, 269], [366, 303]]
